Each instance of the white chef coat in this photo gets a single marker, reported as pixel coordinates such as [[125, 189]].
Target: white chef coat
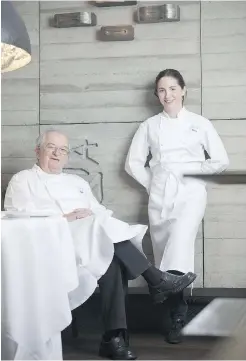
[[35, 190], [176, 204]]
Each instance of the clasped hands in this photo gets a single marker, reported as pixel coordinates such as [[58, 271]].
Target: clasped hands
[[78, 214]]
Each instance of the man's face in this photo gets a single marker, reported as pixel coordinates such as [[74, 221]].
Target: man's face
[[53, 153]]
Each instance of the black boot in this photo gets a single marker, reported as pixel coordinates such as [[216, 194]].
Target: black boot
[[178, 319], [177, 308], [174, 335], [173, 321], [166, 320], [117, 347], [170, 284]]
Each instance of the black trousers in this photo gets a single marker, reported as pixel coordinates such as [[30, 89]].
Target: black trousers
[[128, 263]]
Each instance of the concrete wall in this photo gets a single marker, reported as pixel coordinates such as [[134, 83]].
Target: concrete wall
[[223, 58], [101, 91]]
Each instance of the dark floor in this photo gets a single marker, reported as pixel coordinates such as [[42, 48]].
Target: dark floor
[[147, 346], [145, 333]]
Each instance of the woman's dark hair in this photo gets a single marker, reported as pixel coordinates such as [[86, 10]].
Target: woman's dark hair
[[172, 73]]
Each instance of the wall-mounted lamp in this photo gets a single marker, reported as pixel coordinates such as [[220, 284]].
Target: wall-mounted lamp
[[69, 20], [112, 3], [116, 33], [157, 14], [15, 42]]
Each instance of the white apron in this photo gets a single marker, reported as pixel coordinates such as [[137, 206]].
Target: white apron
[[176, 204], [176, 208]]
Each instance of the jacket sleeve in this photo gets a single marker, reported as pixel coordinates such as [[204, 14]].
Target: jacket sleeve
[[95, 206], [137, 156], [18, 196], [219, 160]]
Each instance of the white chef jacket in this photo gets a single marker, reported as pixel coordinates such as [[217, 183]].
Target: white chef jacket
[[176, 204], [94, 236]]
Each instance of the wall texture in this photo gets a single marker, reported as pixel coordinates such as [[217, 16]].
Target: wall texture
[[102, 91], [223, 59]]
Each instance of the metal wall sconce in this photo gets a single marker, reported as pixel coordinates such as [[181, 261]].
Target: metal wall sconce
[[113, 3], [69, 20], [15, 42], [157, 14], [116, 33]]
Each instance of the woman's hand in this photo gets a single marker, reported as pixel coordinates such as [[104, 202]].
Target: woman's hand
[[78, 214]]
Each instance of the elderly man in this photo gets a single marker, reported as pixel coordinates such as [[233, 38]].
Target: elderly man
[[104, 246]]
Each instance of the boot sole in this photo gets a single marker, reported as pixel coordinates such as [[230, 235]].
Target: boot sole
[[110, 356], [160, 297], [173, 342]]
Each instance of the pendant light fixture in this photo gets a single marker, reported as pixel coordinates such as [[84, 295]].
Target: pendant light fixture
[[15, 42]]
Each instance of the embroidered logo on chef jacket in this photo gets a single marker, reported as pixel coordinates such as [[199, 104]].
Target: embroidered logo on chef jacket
[[192, 128], [193, 135]]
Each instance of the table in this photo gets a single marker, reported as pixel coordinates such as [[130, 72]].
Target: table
[[227, 177], [224, 319], [38, 272]]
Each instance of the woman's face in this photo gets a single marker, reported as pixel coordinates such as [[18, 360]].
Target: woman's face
[[170, 94]]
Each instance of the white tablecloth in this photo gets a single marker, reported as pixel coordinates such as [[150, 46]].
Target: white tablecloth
[[38, 272]]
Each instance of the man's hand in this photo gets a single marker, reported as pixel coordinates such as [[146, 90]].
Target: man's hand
[[78, 214]]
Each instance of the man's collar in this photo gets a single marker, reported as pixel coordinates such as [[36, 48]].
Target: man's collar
[[41, 172]]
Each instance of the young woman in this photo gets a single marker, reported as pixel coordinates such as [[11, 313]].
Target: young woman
[[177, 140]]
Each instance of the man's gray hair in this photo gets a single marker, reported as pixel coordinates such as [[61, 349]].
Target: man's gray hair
[[41, 138]]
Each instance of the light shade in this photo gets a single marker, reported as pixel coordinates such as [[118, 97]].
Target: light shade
[[15, 42]]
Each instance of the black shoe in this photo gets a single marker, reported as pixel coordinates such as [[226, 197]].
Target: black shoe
[[165, 316], [174, 335], [170, 284], [116, 349]]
